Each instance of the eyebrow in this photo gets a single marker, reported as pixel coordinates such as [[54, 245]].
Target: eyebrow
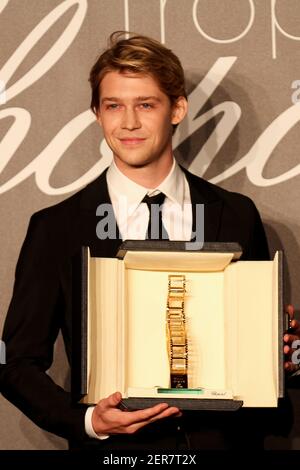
[[138, 98]]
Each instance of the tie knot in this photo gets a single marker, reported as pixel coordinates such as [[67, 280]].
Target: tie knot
[[157, 199]]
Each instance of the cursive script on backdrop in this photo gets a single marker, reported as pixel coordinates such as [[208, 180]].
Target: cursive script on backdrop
[[42, 165]]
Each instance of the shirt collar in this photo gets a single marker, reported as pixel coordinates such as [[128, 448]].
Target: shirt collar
[[172, 186]]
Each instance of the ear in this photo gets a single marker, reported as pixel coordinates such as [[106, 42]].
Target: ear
[[98, 117], [179, 111]]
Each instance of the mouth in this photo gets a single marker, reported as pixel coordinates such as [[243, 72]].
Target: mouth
[[131, 141]]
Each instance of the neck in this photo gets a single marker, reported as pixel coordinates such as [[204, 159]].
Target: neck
[[150, 175]]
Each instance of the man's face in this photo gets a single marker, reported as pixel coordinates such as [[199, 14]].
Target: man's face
[[137, 117]]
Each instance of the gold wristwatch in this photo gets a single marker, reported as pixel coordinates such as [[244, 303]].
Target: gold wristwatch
[[176, 332]]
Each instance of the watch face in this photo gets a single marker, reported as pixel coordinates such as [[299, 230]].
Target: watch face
[[179, 381]]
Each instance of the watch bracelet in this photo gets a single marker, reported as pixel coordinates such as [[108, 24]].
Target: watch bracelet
[[176, 325]]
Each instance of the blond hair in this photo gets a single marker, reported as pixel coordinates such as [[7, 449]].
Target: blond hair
[[138, 55]]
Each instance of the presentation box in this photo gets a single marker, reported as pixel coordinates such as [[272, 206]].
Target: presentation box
[[233, 320]]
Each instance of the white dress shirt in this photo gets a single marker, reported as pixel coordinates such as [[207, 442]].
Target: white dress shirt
[[132, 218]]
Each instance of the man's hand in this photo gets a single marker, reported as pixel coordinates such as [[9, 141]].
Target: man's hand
[[107, 418], [293, 334]]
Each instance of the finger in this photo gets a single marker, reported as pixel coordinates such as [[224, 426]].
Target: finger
[[290, 366], [287, 338], [294, 325], [171, 411], [290, 311], [146, 414]]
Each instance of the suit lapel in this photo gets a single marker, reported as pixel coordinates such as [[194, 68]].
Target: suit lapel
[[93, 195], [202, 193]]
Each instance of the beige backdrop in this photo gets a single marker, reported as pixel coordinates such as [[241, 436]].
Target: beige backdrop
[[242, 131]]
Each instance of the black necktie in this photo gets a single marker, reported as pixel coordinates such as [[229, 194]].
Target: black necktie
[[156, 229]]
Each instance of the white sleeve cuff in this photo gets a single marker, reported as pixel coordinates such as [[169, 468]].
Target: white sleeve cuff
[[89, 427]]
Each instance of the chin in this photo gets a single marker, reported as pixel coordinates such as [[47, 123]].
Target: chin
[[137, 162]]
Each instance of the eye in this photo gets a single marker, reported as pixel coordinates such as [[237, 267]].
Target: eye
[[113, 106], [146, 105]]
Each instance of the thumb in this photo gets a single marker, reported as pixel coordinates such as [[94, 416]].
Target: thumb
[[290, 310], [114, 399]]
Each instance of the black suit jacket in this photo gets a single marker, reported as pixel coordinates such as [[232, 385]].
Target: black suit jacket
[[41, 301]]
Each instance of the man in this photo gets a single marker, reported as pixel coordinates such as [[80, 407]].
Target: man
[[138, 97]]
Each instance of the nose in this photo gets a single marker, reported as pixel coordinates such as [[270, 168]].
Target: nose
[[131, 119]]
